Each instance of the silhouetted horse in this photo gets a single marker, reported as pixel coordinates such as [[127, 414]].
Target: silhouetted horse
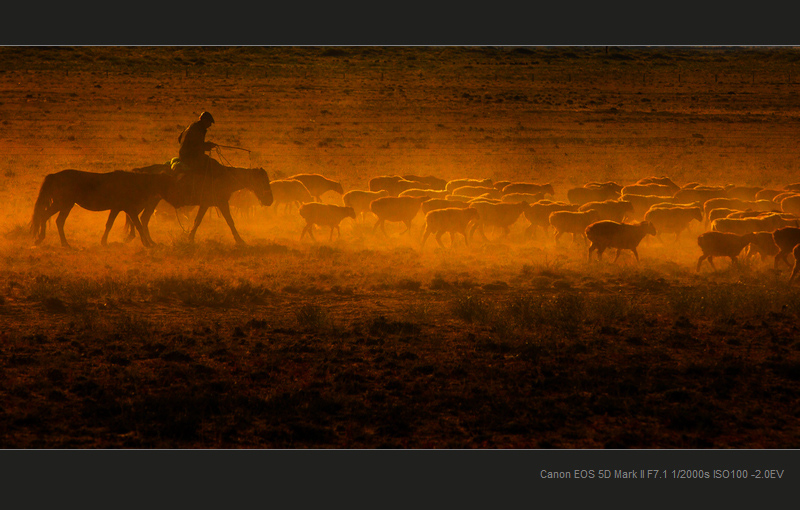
[[212, 188], [117, 191]]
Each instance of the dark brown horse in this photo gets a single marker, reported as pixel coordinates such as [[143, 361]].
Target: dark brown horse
[[212, 188], [117, 191]]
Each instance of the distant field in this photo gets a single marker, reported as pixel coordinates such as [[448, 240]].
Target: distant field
[[372, 341]]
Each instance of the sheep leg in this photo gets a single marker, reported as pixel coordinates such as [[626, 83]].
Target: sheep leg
[[558, 234], [408, 227], [794, 270], [592, 247], [305, 229], [711, 261], [619, 250], [425, 237], [700, 261]]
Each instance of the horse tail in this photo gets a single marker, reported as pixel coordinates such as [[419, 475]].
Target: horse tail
[[43, 201]]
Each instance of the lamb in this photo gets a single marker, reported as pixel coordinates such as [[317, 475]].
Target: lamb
[[622, 236], [401, 209], [722, 244], [438, 203], [539, 214], [289, 192], [675, 219], [318, 184], [327, 215], [649, 189], [529, 187], [476, 191], [453, 220], [430, 181], [359, 200], [500, 215], [530, 198], [457, 183], [572, 222], [763, 244], [598, 193], [612, 210], [786, 239], [738, 204]]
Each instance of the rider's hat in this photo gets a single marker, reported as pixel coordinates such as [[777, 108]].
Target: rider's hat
[[207, 116]]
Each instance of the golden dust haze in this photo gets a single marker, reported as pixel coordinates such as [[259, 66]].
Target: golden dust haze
[[371, 340]]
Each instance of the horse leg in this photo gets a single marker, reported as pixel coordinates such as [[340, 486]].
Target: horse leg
[[225, 209], [112, 215], [197, 219], [48, 213], [62, 218], [143, 233]]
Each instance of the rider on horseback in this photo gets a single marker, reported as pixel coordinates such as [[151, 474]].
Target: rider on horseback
[[194, 147]]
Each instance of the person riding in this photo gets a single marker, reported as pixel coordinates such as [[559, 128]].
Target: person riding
[[194, 145]]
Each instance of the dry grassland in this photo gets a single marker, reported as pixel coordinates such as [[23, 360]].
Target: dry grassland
[[369, 341]]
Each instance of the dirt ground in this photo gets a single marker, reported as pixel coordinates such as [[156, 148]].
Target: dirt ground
[[372, 341]]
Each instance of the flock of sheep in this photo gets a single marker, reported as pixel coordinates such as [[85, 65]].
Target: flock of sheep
[[604, 214]]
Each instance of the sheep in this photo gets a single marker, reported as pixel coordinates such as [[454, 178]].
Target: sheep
[[393, 185], [720, 212], [777, 199], [792, 187], [499, 185], [438, 203], [458, 198], [766, 223], [289, 192], [738, 204], [722, 244], [528, 187], [379, 183], [767, 194], [699, 194], [648, 189], [539, 214], [476, 191], [359, 200], [418, 192], [691, 185], [530, 198], [430, 181], [500, 215], [612, 210], [675, 219], [318, 184], [744, 192], [786, 238], [664, 181], [622, 236], [791, 204], [245, 202], [750, 214], [457, 183], [400, 209], [328, 215], [796, 268], [572, 222], [610, 185], [670, 203], [483, 198], [453, 220], [642, 203], [763, 244], [598, 193]]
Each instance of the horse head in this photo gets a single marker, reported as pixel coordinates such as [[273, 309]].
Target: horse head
[[259, 184]]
